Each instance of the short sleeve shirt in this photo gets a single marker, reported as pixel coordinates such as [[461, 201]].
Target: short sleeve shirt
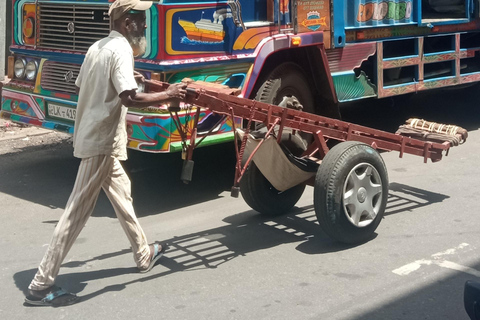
[[100, 124]]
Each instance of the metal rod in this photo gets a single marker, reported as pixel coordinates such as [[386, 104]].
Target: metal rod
[[295, 16], [278, 17]]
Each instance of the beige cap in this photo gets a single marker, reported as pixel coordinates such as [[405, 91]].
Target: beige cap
[[120, 7]]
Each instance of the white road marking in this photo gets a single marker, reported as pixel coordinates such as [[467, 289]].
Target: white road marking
[[409, 268], [458, 267], [450, 251], [437, 259]]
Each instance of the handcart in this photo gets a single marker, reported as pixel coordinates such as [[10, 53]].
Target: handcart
[[280, 150]]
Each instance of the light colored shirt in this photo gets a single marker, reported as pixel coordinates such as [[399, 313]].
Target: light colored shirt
[[100, 124]]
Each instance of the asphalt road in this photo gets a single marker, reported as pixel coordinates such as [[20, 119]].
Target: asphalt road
[[227, 262]]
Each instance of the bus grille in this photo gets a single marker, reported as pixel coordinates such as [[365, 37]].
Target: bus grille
[[73, 27], [59, 76]]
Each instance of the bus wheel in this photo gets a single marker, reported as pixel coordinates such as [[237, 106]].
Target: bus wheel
[[351, 191], [286, 81], [260, 195]]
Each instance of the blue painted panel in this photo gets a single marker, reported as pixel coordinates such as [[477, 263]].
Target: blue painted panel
[[339, 22], [254, 10]]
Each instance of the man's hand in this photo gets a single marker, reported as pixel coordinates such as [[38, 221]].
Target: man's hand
[[177, 91], [138, 76]]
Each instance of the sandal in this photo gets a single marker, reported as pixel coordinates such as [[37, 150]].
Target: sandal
[[157, 254], [53, 296]]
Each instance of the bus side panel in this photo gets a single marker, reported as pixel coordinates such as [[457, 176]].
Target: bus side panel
[[372, 13], [360, 14]]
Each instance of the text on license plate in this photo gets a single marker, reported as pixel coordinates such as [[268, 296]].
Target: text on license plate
[[62, 112]]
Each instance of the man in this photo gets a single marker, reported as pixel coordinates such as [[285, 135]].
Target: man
[[107, 87]]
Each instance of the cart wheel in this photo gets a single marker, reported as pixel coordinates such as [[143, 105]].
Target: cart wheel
[[351, 191], [260, 195]]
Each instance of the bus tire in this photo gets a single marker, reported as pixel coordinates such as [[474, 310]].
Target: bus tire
[[286, 80], [259, 193], [350, 192]]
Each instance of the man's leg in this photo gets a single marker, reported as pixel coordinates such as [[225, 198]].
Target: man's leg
[[91, 174], [117, 186]]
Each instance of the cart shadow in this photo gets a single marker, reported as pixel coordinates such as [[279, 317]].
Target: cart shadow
[[245, 232], [402, 198]]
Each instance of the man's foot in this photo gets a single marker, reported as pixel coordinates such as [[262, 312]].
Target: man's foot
[[53, 297], [156, 252]]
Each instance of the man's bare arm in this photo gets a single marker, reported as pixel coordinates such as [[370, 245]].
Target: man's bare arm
[[131, 98]]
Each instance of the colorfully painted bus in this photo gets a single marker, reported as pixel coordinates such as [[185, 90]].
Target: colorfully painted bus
[[321, 52]]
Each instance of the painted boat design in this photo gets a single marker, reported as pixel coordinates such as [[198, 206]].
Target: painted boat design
[[205, 30]]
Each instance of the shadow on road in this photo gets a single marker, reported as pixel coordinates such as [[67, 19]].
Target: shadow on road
[[46, 177], [246, 232], [403, 198], [442, 299]]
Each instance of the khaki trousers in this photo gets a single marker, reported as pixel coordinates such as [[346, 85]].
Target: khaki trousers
[[99, 172]]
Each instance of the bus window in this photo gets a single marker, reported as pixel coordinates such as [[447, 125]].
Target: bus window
[[443, 10]]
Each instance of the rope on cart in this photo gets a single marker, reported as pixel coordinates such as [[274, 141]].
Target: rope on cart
[[432, 131]]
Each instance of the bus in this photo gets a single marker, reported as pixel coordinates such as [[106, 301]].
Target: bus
[[321, 52]]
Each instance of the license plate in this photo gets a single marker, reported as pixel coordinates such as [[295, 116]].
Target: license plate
[[62, 112]]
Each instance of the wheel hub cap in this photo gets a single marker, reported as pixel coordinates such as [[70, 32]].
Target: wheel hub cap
[[362, 195]]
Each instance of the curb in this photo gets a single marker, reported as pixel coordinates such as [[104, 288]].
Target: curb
[[19, 136]]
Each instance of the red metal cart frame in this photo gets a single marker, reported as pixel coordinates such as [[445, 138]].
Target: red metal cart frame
[[345, 217]]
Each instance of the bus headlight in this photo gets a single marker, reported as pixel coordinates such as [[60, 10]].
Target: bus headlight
[[19, 68], [31, 70]]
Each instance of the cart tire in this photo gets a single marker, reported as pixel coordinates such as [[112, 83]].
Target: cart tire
[[286, 80], [258, 192], [351, 191]]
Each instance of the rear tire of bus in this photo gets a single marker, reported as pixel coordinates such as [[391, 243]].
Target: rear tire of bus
[[286, 80], [351, 191], [259, 193]]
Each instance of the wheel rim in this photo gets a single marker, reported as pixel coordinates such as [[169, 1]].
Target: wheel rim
[[362, 195]]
